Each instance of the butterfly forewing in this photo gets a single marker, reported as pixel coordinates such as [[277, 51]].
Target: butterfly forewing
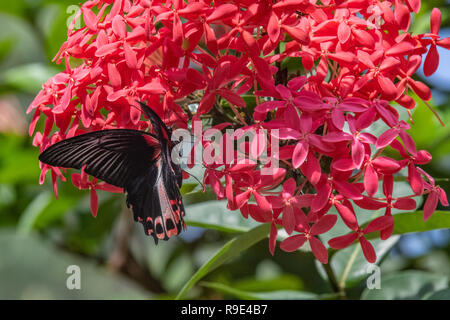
[[115, 156]]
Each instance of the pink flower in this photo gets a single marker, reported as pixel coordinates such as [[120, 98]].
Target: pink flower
[[81, 181], [432, 59], [301, 129], [309, 234], [254, 184], [291, 204], [436, 194], [378, 224]]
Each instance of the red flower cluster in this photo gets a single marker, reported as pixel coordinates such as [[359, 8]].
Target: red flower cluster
[[197, 59]]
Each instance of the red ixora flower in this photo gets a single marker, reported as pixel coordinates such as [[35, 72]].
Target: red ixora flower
[[81, 181], [309, 234], [310, 77], [377, 224]]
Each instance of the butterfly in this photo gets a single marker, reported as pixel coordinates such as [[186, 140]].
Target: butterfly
[[137, 161]]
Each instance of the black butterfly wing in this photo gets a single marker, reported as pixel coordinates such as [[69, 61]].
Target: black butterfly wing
[[116, 156], [163, 196], [159, 127]]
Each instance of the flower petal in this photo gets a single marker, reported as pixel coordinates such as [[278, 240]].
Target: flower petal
[[342, 242], [293, 243], [370, 180], [300, 153], [319, 250], [368, 250], [324, 224]]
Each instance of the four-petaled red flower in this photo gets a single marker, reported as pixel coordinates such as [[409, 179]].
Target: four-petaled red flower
[[81, 181], [309, 234]]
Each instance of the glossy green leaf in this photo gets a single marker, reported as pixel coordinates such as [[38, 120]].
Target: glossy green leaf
[[408, 222], [230, 250], [215, 215], [280, 282], [28, 77], [194, 197], [270, 295], [187, 188], [439, 295], [25, 46], [19, 162], [32, 212]]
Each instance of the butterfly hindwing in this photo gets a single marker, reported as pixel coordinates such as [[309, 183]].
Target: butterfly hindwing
[[156, 202]]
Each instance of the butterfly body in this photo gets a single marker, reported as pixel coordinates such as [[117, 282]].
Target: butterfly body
[[137, 161]]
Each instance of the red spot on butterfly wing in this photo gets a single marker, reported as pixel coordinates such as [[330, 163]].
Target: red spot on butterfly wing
[[173, 231], [153, 143], [159, 228]]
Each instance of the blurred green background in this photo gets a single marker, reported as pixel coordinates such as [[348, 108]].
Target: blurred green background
[[40, 236]]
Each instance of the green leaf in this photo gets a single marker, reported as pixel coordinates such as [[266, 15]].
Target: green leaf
[[177, 273], [250, 100], [406, 285], [426, 130], [187, 188], [198, 197], [56, 209], [271, 295], [32, 268], [5, 47], [29, 77], [215, 215], [408, 222], [7, 195], [413, 222], [18, 161], [230, 250], [292, 64], [32, 212], [281, 282], [25, 46], [439, 295]]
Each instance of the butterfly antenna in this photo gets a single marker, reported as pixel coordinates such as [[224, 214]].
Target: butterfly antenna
[[146, 112], [138, 108], [168, 116]]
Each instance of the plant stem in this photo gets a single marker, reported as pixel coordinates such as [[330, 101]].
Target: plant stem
[[348, 267], [333, 281]]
